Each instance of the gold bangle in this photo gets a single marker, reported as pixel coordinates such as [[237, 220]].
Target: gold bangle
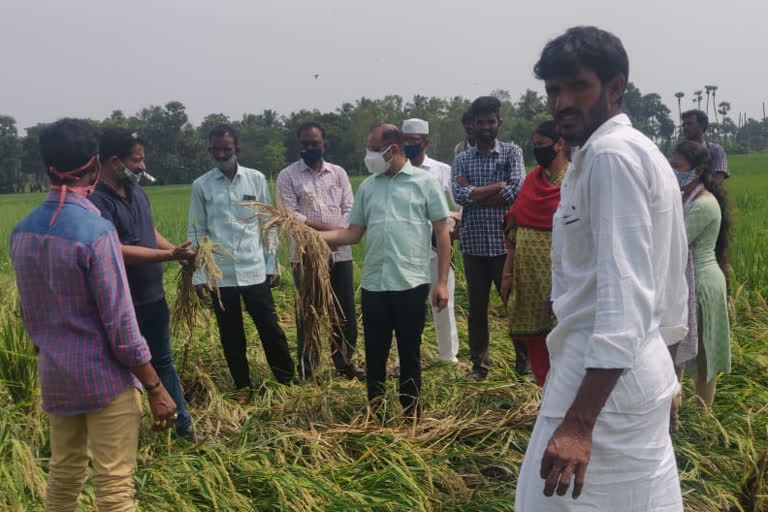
[[508, 275]]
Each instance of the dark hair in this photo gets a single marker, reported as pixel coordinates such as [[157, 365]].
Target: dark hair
[[308, 125], [548, 129], [390, 134], [485, 105], [68, 144], [589, 47], [222, 130], [467, 118], [701, 117], [117, 142], [697, 156]]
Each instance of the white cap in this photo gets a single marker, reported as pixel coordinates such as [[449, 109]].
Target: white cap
[[417, 126]]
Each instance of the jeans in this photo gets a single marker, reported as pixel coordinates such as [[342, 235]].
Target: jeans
[[259, 304], [154, 320], [404, 313], [344, 340]]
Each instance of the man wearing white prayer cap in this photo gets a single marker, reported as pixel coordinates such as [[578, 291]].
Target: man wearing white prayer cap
[[416, 139]]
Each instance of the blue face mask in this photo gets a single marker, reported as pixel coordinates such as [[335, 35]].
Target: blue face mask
[[312, 156], [685, 178], [413, 151]]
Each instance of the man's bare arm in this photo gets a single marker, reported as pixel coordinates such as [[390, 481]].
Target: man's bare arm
[[346, 236], [487, 191], [321, 226], [569, 449]]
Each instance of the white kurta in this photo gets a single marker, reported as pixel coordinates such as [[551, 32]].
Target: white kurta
[[619, 252]]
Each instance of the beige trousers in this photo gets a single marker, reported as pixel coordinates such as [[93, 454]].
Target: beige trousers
[[112, 434]]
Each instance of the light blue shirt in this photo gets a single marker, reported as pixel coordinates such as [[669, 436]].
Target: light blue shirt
[[397, 213], [213, 212]]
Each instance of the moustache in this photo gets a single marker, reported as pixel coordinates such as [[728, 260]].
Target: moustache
[[568, 112]]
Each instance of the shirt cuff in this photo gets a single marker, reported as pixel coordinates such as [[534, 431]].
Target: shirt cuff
[[609, 353], [198, 278], [508, 194], [468, 199], [138, 356], [673, 334], [270, 263]]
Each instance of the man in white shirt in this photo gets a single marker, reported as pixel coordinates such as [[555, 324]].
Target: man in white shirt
[[618, 284], [416, 140]]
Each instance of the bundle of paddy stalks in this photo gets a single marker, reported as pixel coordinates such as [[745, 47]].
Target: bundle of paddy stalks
[[316, 304], [187, 308]]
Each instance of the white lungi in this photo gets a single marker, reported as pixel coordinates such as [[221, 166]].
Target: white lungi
[[632, 467], [445, 321]]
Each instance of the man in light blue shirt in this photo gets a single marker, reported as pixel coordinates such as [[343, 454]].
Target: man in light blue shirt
[[397, 208], [251, 271]]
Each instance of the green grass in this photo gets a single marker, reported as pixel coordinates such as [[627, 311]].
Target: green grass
[[315, 448]]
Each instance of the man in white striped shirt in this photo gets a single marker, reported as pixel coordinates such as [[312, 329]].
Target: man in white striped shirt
[[320, 195]]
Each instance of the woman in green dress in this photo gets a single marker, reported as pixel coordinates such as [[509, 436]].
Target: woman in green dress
[[706, 221], [527, 277]]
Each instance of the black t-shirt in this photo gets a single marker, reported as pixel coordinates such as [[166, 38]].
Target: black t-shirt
[[132, 218]]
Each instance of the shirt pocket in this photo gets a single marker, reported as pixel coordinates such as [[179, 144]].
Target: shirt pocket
[[576, 235], [405, 204], [217, 197]]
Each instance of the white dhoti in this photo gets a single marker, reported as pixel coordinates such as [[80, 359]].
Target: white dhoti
[[632, 467], [445, 321]]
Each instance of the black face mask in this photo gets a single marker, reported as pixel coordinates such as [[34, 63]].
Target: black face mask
[[545, 155], [312, 156]]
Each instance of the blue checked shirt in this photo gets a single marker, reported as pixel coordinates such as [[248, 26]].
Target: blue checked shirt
[[482, 233]]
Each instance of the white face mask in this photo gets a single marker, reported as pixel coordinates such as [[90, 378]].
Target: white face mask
[[227, 165], [375, 162], [128, 176]]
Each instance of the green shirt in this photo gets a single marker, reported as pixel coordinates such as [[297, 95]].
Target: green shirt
[[397, 213], [213, 211]]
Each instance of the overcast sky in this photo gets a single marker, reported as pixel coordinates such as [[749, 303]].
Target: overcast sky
[[89, 57]]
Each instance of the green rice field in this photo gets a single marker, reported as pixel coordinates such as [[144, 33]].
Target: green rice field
[[315, 447]]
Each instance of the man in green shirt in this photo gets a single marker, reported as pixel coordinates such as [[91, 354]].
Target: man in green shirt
[[397, 208]]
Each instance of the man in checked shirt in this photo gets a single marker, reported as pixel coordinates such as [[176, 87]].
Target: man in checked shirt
[[319, 193], [77, 309], [486, 181]]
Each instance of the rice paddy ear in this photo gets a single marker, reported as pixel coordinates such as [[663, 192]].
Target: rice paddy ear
[[187, 309], [315, 301]]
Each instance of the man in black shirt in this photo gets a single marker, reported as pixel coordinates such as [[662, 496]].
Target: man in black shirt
[[124, 203]]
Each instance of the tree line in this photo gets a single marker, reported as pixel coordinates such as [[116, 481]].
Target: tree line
[[177, 150]]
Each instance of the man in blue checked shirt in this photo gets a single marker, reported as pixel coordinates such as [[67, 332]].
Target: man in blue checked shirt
[[486, 181]]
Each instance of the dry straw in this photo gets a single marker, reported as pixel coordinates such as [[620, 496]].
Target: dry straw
[[316, 304], [187, 308]]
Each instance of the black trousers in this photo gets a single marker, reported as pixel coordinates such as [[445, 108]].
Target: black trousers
[[402, 312], [344, 337], [481, 272], [259, 304]]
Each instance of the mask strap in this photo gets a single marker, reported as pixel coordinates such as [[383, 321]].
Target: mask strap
[[70, 176]]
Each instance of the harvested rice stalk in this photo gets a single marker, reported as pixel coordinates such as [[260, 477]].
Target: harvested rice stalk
[[316, 304], [187, 308]]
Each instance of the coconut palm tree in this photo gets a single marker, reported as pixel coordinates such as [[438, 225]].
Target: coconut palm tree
[[708, 89], [679, 95], [724, 108], [698, 94], [713, 88]]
